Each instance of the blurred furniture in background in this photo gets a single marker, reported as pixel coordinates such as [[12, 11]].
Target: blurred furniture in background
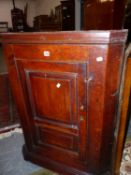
[[62, 17], [58, 16], [9, 117], [68, 15], [17, 19], [127, 19], [46, 23], [103, 14], [98, 15], [3, 26]]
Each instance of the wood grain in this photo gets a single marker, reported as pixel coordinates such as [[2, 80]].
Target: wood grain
[[67, 97]]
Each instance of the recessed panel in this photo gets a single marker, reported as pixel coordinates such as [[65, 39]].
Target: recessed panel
[[60, 140], [53, 96]]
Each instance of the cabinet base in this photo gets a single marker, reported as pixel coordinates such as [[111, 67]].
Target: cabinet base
[[53, 165], [50, 164]]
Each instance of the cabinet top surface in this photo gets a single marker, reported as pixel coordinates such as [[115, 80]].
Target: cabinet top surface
[[80, 37]]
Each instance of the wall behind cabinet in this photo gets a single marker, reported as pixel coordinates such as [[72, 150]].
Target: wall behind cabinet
[[6, 6], [45, 6], [35, 8]]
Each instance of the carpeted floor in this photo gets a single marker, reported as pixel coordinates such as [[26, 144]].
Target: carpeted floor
[[126, 159], [11, 158]]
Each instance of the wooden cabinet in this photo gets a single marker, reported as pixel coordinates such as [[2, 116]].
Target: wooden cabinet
[[68, 15], [46, 23], [18, 20], [103, 14], [65, 86]]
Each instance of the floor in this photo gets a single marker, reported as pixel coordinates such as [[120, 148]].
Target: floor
[[125, 168], [11, 158]]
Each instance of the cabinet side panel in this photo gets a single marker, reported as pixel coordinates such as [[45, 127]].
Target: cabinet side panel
[[17, 92], [96, 104], [104, 73], [113, 75]]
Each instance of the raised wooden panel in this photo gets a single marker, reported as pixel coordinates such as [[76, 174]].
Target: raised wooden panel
[[48, 52], [45, 87], [52, 137]]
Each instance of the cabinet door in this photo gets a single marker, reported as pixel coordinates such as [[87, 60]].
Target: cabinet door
[[55, 99]]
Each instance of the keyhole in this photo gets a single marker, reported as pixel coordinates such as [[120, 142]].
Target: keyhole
[[81, 118], [81, 107]]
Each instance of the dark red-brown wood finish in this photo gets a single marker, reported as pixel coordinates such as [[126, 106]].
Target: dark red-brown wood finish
[[66, 87], [103, 14]]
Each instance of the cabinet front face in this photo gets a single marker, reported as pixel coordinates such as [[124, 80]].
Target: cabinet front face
[[65, 86], [55, 99]]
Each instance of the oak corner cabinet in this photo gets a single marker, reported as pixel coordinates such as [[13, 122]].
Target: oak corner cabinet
[[65, 86]]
